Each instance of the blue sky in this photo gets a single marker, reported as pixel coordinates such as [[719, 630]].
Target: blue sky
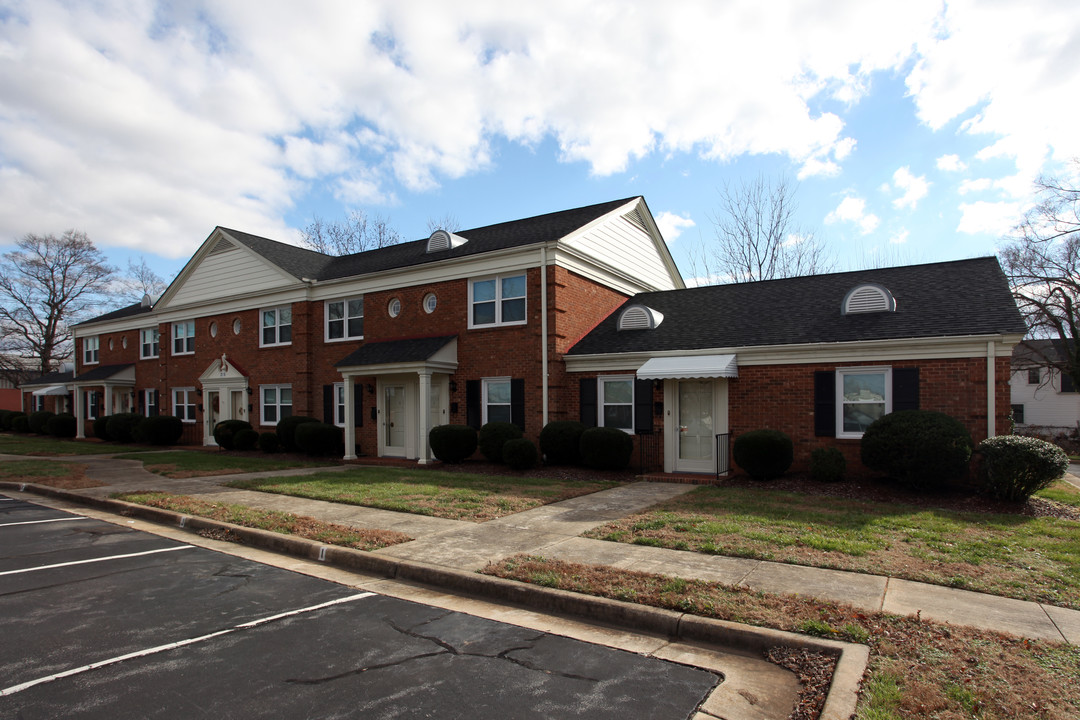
[[913, 130]]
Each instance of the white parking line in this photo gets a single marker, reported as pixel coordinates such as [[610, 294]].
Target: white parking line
[[94, 560], [181, 643], [38, 522]]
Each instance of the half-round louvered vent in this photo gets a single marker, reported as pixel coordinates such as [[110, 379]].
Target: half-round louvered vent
[[439, 240], [639, 317], [868, 299]]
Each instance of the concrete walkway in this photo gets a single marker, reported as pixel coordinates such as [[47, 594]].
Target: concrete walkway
[[554, 531]]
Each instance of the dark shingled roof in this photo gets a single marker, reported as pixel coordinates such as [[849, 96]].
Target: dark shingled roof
[[297, 261], [965, 297], [395, 351], [1040, 352], [103, 372], [53, 378], [127, 311]]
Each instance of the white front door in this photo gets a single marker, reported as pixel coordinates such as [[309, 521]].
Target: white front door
[[212, 405], [696, 439], [394, 422]]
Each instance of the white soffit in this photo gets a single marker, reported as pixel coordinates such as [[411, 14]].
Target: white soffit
[[687, 367]]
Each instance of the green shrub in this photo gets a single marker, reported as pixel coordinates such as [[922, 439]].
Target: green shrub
[[160, 430], [318, 438], [922, 449], [560, 442], [63, 425], [268, 442], [37, 420], [763, 454], [519, 453], [605, 448], [121, 427], [245, 439], [100, 426], [827, 465], [493, 436], [286, 431], [225, 432], [4, 415], [20, 423], [452, 443], [1014, 467]]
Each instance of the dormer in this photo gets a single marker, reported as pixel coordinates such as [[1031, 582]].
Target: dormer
[[868, 298], [443, 240], [639, 317]]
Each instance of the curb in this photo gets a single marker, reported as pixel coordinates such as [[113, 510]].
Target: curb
[[852, 659]]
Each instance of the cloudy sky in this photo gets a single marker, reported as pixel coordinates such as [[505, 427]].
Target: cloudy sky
[[913, 129]]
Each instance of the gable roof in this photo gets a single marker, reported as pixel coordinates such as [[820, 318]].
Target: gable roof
[[965, 297], [1040, 352], [57, 377], [395, 351], [126, 311]]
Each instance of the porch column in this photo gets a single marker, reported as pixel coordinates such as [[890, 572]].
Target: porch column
[[423, 451], [80, 412], [107, 401], [350, 419]]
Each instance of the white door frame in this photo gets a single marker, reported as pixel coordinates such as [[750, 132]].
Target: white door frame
[[671, 422], [409, 384]]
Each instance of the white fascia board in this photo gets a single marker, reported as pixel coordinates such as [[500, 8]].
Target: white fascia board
[[589, 268], [398, 368], [805, 354]]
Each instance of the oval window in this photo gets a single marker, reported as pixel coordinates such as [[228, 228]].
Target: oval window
[[430, 302], [213, 329], [395, 307], [237, 326]]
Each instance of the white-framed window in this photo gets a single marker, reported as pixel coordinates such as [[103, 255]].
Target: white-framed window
[[496, 400], [149, 343], [339, 404], [150, 406], [276, 326], [38, 403], [862, 396], [497, 300], [90, 348], [616, 401], [91, 404], [430, 303], [1034, 376], [184, 401], [276, 403], [345, 319], [183, 334]]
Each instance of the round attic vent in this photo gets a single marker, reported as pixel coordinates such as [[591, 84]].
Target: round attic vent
[[639, 317], [868, 298], [443, 240]]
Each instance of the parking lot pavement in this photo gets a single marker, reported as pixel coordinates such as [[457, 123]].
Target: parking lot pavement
[[99, 620]]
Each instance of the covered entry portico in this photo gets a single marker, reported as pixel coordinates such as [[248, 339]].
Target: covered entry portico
[[411, 392], [225, 393], [116, 393], [695, 407]]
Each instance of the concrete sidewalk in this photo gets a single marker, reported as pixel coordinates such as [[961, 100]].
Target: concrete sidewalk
[[554, 531]]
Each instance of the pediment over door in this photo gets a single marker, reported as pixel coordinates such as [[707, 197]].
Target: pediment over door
[[222, 372]]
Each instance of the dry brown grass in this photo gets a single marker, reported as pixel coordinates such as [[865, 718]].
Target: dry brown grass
[[69, 476]]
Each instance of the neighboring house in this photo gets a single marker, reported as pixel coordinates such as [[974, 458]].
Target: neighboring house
[[51, 391], [579, 314], [1042, 397]]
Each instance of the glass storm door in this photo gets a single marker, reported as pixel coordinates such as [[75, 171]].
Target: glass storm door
[[213, 414], [394, 419], [696, 427]]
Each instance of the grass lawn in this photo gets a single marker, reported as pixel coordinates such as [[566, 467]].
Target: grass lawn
[[47, 472], [273, 520], [457, 496], [1012, 555], [42, 445], [196, 463], [918, 669]]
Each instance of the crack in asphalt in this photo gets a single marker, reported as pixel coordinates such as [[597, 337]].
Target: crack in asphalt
[[358, 671]]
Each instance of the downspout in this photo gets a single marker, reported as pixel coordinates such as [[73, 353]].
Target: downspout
[[544, 333], [991, 406]]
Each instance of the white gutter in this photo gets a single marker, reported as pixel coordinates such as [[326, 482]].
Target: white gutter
[[544, 332], [991, 399]]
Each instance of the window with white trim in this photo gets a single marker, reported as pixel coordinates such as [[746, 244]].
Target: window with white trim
[[497, 300], [149, 343], [862, 396], [150, 399], [616, 402], [184, 401], [91, 404], [345, 319], [38, 403], [1034, 376], [276, 327], [276, 403], [91, 346], [183, 334], [339, 404], [495, 400]]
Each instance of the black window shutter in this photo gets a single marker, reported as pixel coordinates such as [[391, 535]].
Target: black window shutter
[[905, 387], [517, 402], [1067, 384], [474, 416], [358, 404], [157, 405], [141, 402], [587, 402], [825, 403], [328, 404], [643, 406]]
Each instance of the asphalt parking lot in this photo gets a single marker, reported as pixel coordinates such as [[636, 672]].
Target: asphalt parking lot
[[99, 620]]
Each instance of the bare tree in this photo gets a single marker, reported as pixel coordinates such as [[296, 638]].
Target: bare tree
[[45, 284], [355, 233], [141, 280], [1042, 259], [447, 221], [757, 236]]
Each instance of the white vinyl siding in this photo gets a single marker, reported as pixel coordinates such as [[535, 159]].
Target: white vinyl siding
[[1045, 405], [216, 277], [623, 244]]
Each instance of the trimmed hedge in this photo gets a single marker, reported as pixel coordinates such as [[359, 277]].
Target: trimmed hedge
[[63, 425], [604, 448], [922, 449], [268, 442], [4, 416], [763, 454], [101, 430], [827, 465], [452, 443], [1015, 467], [493, 436], [519, 453], [245, 439], [122, 426], [318, 438], [286, 431], [20, 423], [160, 430], [37, 421], [560, 442], [226, 430]]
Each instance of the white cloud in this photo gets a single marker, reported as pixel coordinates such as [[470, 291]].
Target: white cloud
[[672, 225], [950, 163], [977, 185], [994, 218], [915, 188], [899, 237], [853, 210]]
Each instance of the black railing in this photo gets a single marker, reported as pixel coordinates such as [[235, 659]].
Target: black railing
[[723, 461], [649, 458]]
